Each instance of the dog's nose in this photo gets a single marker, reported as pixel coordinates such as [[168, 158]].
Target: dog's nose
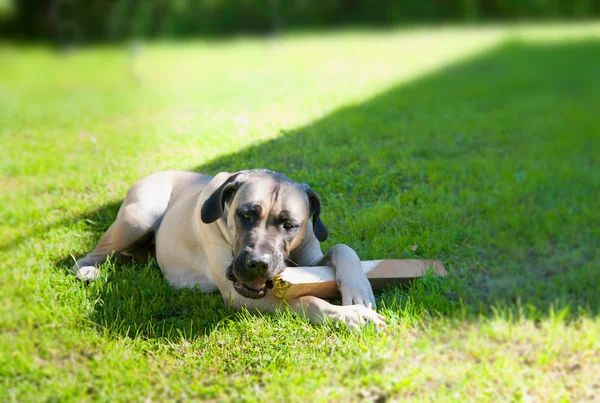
[[259, 263], [229, 274]]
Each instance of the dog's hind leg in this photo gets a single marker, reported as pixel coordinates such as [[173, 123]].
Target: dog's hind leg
[[139, 216]]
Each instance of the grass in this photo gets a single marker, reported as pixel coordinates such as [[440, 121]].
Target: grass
[[478, 147]]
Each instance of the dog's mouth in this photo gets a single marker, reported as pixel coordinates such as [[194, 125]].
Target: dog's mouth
[[255, 289], [250, 289]]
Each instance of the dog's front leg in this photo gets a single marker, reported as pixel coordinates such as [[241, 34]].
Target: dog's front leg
[[350, 277], [318, 311], [314, 309]]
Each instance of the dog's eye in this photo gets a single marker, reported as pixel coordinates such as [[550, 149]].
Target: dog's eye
[[245, 216], [288, 225]]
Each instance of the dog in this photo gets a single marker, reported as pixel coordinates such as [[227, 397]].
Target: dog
[[234, 233]]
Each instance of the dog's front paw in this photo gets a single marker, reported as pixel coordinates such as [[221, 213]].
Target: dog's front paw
[[356, 289], [358, 316], [87, 273]]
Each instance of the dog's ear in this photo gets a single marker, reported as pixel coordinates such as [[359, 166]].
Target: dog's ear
[[213, 207], [319, 228]]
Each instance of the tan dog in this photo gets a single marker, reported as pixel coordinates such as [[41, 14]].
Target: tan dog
[[234, 233]]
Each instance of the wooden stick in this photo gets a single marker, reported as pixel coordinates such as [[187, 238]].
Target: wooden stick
[[319, 281]]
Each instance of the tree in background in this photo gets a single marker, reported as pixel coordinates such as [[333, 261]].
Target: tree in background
[[112, 20]]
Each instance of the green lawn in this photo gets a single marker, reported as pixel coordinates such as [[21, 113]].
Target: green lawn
[[478, 147]]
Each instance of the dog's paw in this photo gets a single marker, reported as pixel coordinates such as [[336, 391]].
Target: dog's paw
[[358, 316], [87, 273], [356, 290]]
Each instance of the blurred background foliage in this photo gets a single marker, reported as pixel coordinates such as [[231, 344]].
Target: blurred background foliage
[[68, 21]]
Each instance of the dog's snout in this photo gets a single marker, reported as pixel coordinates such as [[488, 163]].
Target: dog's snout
[[259, 263]]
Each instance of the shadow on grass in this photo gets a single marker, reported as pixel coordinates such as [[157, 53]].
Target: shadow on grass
[[134, 300], [488, 165]]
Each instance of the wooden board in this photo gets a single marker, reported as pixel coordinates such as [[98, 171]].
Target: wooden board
[[319, 281]]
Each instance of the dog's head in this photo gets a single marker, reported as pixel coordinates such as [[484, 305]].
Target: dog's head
[[267, 215]]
